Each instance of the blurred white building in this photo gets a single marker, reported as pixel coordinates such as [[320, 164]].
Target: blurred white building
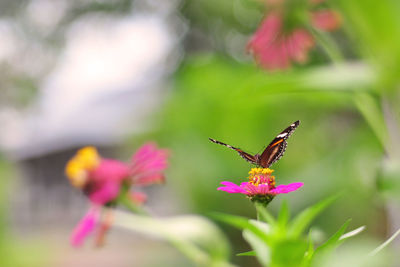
[[109, 77], [110, 74]]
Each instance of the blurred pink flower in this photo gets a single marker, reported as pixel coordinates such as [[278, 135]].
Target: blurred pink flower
[[104, 180], [326, 20], [260, 187], [274, 49], [280, 40], [101, 179]]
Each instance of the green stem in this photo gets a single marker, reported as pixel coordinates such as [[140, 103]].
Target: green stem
[[155, 227], [371, 111], [262, 214], [329, 46]]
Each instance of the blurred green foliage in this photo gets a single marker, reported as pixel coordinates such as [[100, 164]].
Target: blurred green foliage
[[282, 242], [349, 114], [14, 253], [219, 98], [343, 134]]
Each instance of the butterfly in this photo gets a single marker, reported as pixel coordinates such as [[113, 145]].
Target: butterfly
[[272, 153]]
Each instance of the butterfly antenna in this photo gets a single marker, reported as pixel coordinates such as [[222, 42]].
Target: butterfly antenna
[[220, 143]]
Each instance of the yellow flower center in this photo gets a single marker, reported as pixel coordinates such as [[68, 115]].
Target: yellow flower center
[[259, 176], [77, 168]]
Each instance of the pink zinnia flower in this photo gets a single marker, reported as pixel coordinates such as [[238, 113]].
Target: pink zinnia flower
[[100, 179], [278, 43], [105, 180], [274, 49], [260, 187]]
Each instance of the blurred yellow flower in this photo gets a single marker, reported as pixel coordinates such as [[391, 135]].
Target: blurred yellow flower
[[86, 159]]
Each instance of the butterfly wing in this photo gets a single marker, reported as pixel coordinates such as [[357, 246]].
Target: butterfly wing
[[277, 147], [250, 158]]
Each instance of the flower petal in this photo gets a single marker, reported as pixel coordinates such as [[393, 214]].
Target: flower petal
[[274, 48], [231, 188], [85, 227], [263, 189], [106, 193], [149, 178], [250, 188], [148, 163], [284, 189], [326, 20], [110, 169], [150, 157], [138, 197]]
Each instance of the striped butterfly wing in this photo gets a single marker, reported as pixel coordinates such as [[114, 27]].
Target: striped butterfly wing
[[277, 147], [250, 158]]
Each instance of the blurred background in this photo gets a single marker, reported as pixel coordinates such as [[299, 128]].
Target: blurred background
[[117, 73]]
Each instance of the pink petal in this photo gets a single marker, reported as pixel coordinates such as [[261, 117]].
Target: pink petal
[[103, 228], [326, 20], [250, 188], [110, 169], [264, 44], [85, 227], [144, 152], [231, 188], [148, 179], [138, 197], [107, 192], [265, 34], [303, 42], [148, 163], [275, 49], [263, 189], [284, 189], [150, 156]]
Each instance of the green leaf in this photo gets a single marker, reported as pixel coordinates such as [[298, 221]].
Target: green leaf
[[284, 215], [243, 223], [334, 240], [310, 251], [288, 252], [261, 249], [372, 113], [376, 28], [236, 221], [247, 253], [323, 252], [254, 232], [302, 221], [385, 244]]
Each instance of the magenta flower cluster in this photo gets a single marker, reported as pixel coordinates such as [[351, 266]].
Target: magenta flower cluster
[[105, 180]]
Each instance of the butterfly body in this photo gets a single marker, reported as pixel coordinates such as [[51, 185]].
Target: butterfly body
[[272, 153]]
